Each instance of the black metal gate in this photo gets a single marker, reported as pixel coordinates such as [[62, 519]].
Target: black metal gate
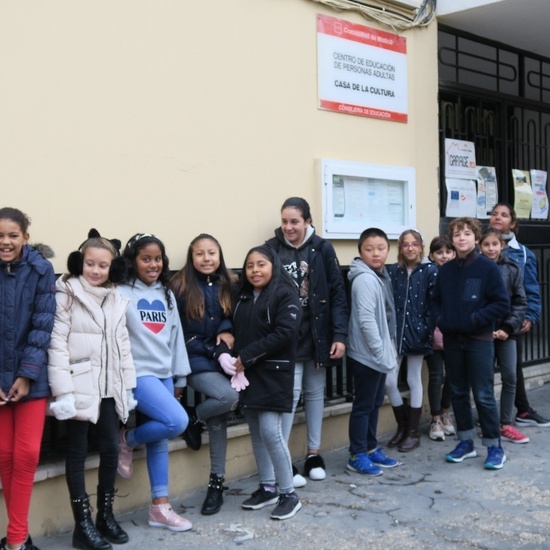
[[499, 98]]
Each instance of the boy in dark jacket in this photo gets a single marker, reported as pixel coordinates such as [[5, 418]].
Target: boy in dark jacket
[[469, 298]]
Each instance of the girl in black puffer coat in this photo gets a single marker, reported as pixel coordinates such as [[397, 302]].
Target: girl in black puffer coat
[[266, 318]]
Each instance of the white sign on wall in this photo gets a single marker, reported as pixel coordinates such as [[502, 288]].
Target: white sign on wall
[[460, 159], [361, 71], [357, 195]]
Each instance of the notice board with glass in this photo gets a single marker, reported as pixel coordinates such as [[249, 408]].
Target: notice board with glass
[[358, 195]]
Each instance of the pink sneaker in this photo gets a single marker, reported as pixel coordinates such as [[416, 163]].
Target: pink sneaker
[[124, 467], [509, 433], [162, 515]]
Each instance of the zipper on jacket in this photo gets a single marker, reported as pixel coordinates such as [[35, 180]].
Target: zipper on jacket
[[404, 314], [123, 399], [106, 346]]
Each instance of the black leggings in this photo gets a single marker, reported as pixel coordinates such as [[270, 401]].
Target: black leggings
[[521, 402], [77, 450], [439, 398]]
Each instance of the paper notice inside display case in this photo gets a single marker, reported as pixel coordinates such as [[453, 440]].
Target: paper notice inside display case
[[539, 205], [523, 194], [461, 198], [359, 195]]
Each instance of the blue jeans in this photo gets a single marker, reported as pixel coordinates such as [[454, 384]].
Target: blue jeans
[[470, 366], [166, 419], [369, 386], [220, 400], [506, 354], [270, 448]]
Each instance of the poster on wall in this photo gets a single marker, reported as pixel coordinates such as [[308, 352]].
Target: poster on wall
[[539, 206], [523, 194], [487, 192], [361, 70], [460, 159], [461, 198]]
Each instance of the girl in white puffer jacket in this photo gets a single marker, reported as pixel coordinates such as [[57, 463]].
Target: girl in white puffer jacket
[[91, 375]]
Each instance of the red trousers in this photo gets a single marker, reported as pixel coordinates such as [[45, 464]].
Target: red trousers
[[21, 427]]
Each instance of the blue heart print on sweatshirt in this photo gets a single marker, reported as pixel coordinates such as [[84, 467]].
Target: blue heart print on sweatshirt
[[152, 315]]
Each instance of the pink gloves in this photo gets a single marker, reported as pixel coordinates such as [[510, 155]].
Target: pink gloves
[[227, 363], [239, 381]]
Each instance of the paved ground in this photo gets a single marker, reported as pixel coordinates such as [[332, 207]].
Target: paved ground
[[423, 504]]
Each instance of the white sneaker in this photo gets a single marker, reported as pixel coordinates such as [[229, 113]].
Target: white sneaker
[[437, 432], [448, 426], [314, 467], [298, 481]]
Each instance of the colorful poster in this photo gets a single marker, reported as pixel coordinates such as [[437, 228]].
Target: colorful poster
[[460, 159], [539, 206], [461, 198], [361, 70], [487, 192], [523, 195]]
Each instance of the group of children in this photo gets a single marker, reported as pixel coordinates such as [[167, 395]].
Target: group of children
[[118, 332], [107, 337], [460, 313]]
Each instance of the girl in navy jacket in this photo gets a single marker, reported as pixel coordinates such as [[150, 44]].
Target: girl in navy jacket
[[27, 310], [203, 293], [413, 282]]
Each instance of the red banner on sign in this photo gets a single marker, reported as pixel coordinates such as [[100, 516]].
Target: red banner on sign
[[362, 111]]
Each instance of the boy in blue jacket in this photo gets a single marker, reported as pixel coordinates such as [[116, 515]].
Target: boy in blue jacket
[[469, 298]]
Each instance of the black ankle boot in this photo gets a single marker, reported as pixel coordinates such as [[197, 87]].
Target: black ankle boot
[[193, 433], [214, 496], [105, 522], [85, 534]]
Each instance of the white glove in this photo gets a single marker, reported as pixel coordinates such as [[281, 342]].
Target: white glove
[[63, 407], [130, 400], [228, 364], [239, 381]]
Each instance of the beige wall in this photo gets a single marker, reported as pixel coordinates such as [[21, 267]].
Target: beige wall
[[178, 118]]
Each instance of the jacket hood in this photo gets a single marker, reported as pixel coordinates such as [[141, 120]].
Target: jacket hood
[[44, 249], [279, 273], [139, 284], [310, 231], [359, 267], [505, 260], [34, 258]]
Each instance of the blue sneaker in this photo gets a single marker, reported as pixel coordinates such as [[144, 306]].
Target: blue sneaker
[[464, 449], [495, 458], [362, 464], [378, 458]]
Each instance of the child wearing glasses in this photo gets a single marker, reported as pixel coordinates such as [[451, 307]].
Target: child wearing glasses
[[413, 281]]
